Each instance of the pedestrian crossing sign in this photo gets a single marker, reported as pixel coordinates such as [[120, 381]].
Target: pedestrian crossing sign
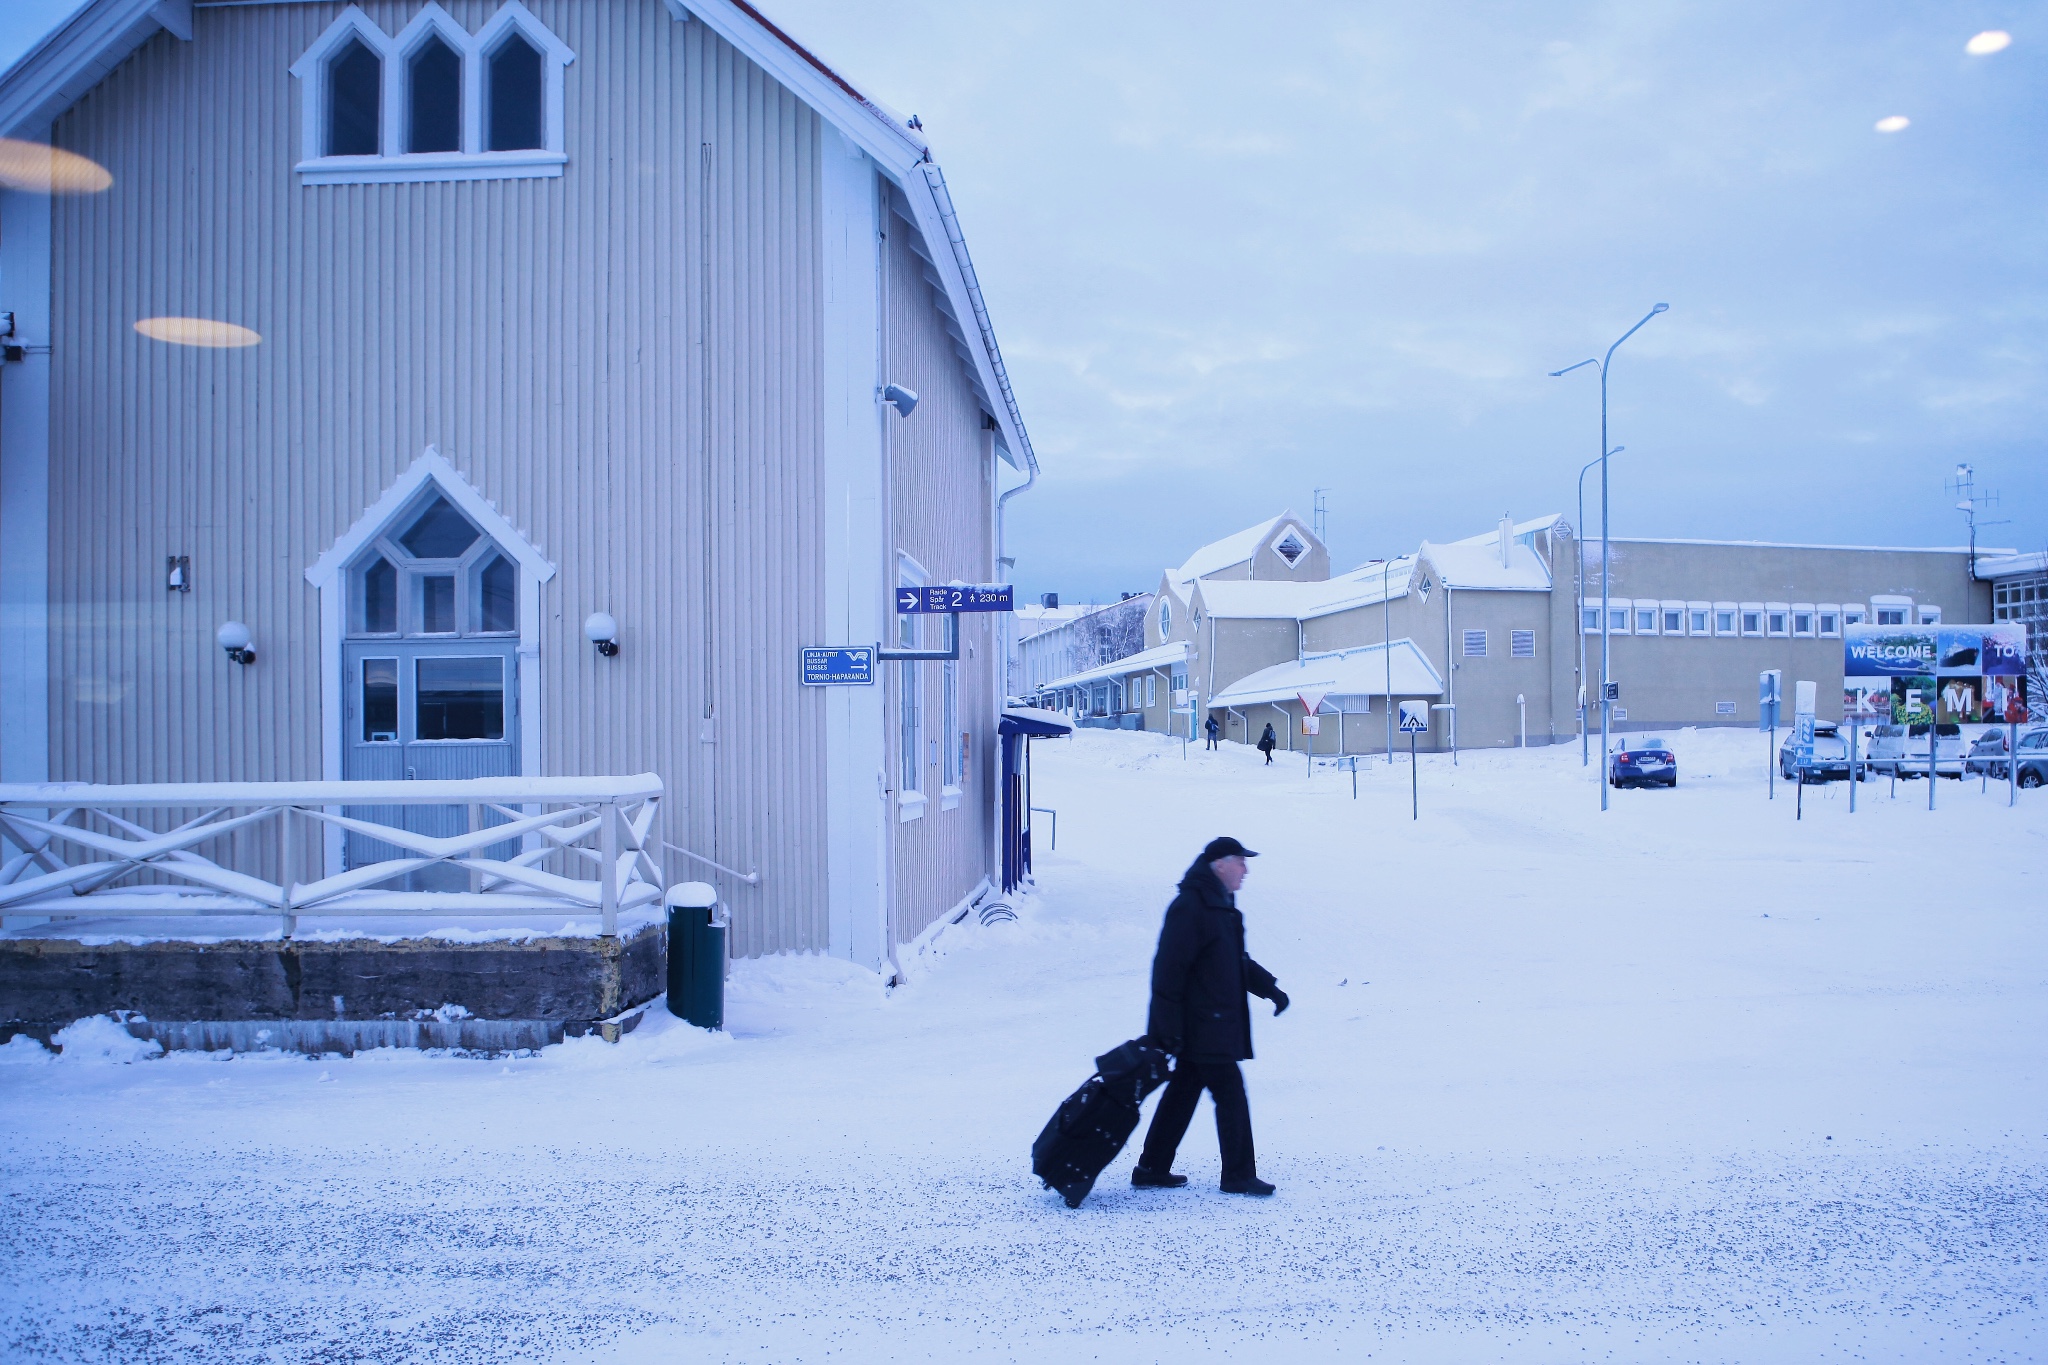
[[1414, 718]]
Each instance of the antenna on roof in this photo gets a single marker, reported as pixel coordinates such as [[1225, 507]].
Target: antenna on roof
[[1322, 515], [1969, 500]]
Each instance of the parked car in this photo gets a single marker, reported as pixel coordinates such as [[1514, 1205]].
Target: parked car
[[1987, 754], [1640, 760], [1901, 750], [1830, 761]]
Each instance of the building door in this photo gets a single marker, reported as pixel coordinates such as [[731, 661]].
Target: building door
[[430, 673]]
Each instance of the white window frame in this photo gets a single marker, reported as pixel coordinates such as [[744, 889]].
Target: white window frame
[[1705, 611], [1165, 620], [1928, 616], [1734, 610], [1472, 636], [1881, 606], [1822, 612], [1636, 610], [1854, 614], [1589, 606], [1151, 689], [1664, 609], [1275, 543], [1621, 609], [1742, 615], [395, 165], [1517, 639], [1783, 612], [1809, 611]]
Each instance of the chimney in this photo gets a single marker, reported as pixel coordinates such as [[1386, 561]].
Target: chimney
[[1507, 538], [1049, 600]]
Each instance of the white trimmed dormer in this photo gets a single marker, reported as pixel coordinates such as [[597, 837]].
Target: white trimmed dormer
[[433, 103]]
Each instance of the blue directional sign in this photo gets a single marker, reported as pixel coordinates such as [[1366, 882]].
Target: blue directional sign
[[948, 597], [838, 665]]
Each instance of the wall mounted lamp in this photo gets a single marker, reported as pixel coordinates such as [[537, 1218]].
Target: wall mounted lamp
[[234, 637], [603, 632], [902, 399]]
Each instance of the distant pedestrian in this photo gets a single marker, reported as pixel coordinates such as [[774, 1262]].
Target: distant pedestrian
[[1200, 978], [1212, 730], [1268, 742]]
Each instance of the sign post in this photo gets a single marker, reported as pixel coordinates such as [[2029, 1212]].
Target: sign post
[[1803, 700], [1414, 721], [1768, 684]]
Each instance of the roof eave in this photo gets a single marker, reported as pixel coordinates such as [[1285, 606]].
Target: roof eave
[[77, 55]]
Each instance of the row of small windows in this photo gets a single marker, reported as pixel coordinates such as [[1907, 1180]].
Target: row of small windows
[[433, 77], [2026, 600], [1786, 619]]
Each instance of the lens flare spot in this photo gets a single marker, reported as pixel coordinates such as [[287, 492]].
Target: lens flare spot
[[36, 168], [1893, 124], [197, 332], [1989, 41]]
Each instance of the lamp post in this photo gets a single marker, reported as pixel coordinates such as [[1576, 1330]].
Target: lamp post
[[1387, 652], [1579, 578], [1605, 657]]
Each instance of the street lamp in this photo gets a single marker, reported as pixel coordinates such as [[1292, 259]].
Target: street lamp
[[1579, 577], [1605, 704]]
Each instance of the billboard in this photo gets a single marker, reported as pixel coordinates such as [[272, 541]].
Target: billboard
[[1950, 675]]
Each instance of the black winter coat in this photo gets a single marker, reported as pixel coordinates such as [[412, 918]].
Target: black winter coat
[[1266, 741], [1201, 974]]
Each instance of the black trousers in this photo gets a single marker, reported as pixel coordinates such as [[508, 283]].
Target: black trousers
[[1225, 1084]]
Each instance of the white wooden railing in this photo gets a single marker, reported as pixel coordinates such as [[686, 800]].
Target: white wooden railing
[[76, 849]]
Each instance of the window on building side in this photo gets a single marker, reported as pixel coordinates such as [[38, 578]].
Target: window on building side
[[1522, 644], [1589, 619], [1891, 616], [1165, 618], [498, 597], [1475, 644], [1724, 622], [1674, 619], [380, 601], [1802, 623], [1617, 620], [1775, 621], [949, 738], [1699, 621], [486, 105], [1930, 616], [1646, 620], [1852, 616], [1830, 623], [1152, 690], [355, 89], [434, 99], [1752, 623], [515, 96]]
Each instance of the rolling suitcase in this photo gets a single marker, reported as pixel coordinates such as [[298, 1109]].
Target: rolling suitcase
[[1092, 1125]]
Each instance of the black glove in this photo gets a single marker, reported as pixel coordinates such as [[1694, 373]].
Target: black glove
[[1170, 1046], [1280, 1002]]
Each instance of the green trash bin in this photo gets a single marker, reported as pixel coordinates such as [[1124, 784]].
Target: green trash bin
[[696, 954]]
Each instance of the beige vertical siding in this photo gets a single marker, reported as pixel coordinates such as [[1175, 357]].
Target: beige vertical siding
[[544, 334], [940, 467]]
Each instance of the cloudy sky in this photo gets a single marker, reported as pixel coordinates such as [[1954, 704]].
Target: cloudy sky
[[1236, 254]]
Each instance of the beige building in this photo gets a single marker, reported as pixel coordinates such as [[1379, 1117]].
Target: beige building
[[1500, 631], [628, 309]]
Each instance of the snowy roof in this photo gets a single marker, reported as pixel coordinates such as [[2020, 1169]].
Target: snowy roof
[[1159, 656], [1038, 724], [1238, 599], [1344, 673], [1522, 528], [1366, 585], [1470, 564], [1231, 550], [2006, 565]]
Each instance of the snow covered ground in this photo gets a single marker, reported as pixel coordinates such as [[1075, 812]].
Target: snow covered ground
[[1688, 1081]]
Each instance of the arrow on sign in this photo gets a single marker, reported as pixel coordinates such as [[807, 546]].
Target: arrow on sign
[[908, 599]]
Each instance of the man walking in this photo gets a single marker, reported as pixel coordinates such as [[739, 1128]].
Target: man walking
[[1200, 977], [1268, 742], [1212, 730]]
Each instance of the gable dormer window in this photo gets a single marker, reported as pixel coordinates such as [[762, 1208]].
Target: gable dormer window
[[434, 102], [434, 98], [1290, 548], [355, 85]]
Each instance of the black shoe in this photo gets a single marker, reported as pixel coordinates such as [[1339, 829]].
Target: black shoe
[[1252, 1186], [1156, 1180]]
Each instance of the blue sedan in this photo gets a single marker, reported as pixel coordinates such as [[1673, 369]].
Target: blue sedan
[[1642, 761]]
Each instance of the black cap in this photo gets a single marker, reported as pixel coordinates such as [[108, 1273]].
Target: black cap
[[1226, 847]]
